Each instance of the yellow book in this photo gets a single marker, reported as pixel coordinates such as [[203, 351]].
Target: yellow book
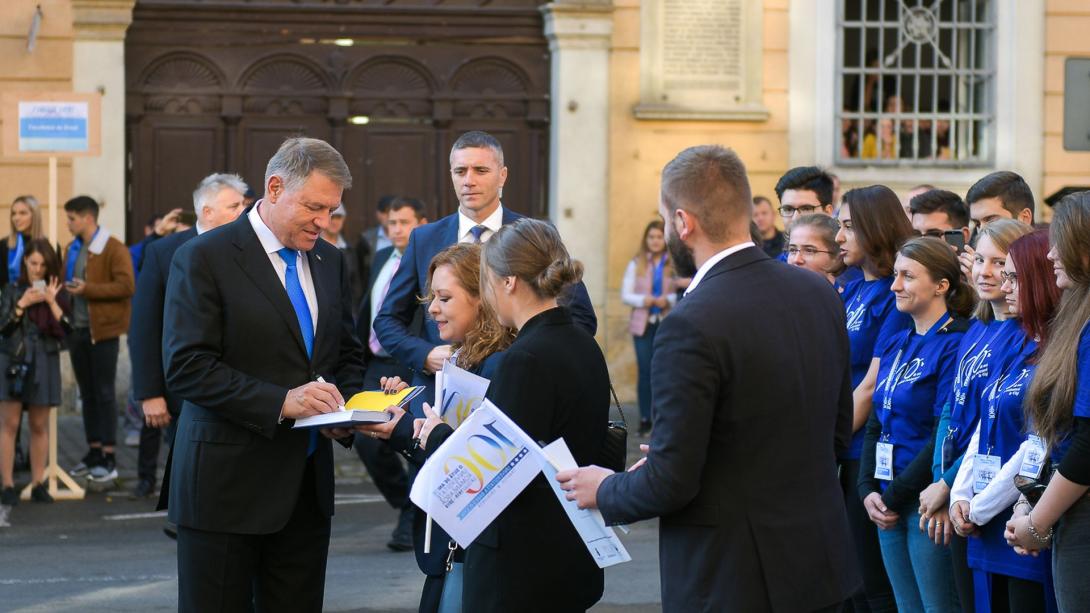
[[363, 408]]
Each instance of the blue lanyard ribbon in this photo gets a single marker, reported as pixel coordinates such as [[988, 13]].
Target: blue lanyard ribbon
[[656, 282], [892, 378], [15, 258], [73, 255]]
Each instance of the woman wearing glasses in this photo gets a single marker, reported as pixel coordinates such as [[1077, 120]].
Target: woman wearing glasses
[[915, 369], [1058, 404], [872, 226], [812, 245], [990, 337], [984, 493]]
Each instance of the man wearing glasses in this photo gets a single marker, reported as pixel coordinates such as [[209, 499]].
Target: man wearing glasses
[[808, 190]]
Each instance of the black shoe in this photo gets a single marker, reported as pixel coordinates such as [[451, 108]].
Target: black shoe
[[402, 537], [170, 530], [9, 497], [105, 471], [645, 427], [40, 493], [89, 461], [144, 489]]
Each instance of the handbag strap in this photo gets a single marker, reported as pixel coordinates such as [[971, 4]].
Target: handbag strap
[[618, 404]]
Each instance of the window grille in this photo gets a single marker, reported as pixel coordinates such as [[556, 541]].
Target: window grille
[[916, 82]]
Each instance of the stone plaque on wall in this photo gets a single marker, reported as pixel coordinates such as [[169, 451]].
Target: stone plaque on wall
[[700, 59]]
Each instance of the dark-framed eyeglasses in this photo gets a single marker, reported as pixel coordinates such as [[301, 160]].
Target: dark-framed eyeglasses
[[807, 251], [805, 209]]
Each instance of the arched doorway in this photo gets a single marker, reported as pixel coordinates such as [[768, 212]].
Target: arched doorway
[[217, 85]]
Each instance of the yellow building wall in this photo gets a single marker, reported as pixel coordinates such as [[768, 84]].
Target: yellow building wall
[[47, 68], [640, 148], [1066, 24]]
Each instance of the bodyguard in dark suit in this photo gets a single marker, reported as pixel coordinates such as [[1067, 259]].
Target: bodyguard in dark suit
[[257, 312], [752, 400], [218, 200], [478, 174]]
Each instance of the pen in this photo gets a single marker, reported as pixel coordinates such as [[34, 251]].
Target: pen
[[321, 380]]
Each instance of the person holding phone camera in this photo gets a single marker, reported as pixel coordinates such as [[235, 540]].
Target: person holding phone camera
[[33, 324], [98, 274], [941, 214]]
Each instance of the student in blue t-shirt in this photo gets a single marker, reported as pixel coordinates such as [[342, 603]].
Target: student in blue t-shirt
[[915, 370], [992, 334], [1058, 405], [872, 226], [984, 492]]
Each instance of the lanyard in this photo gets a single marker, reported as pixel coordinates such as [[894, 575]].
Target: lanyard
[[995, 393], [893, 379], [15, 258]]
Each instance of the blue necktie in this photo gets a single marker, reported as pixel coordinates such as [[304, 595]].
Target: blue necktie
[[302, 313], [477, 231]]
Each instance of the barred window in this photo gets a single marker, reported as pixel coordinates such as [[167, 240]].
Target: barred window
[[916, 82]]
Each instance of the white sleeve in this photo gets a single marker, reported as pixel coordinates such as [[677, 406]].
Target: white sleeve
[[963, 483], [628, 287], [1000, 493]]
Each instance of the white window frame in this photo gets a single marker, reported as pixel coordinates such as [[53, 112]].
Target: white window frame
[[1019, 99]]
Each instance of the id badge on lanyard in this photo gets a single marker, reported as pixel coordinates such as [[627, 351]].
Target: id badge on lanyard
[[985, 468], [1033, 461], [883, 460]]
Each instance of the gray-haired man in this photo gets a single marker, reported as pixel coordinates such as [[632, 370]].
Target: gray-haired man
[[258, 332], [217, 200]]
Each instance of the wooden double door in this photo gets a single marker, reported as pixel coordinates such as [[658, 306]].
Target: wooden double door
[[217, 85]]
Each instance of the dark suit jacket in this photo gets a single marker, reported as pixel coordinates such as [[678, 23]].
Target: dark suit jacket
[[553, 383], [752, 397], [232, 349], [401, 305], [146, 329], [363, 315]]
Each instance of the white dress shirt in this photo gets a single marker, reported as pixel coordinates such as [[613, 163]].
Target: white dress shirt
[[272, 245], [382, 283], [712, 261], [998, 495], [492, 225]]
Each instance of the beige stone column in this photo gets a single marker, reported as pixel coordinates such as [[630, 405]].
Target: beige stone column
[[99, 65], [579, 34]]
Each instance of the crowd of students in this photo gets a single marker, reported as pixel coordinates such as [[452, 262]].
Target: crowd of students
[[967, 480]]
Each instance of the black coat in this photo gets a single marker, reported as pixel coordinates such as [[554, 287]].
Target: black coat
[[553, 383], [146, 329], [232, 348], [752, 399]]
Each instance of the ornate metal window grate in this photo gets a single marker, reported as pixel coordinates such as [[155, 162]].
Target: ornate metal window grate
[[916, 82]]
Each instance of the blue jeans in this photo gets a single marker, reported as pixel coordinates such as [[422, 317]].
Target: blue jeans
[[645, 348], [920, 571]]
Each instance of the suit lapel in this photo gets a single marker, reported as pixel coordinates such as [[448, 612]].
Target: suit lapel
[[255, 264], [447, 237], [325, 290]]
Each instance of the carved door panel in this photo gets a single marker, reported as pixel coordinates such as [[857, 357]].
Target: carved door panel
[[175, 154], [391, 84]]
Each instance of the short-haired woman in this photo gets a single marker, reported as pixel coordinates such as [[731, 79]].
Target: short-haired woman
[[33, 323], [872, 227], [648, 287], [916, 367]]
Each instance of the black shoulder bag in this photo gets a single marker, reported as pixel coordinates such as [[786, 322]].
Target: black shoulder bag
[[615, 446]]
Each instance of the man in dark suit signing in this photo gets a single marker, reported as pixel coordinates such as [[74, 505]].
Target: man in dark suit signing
[[742, 461], [478, 173], [258, 332]]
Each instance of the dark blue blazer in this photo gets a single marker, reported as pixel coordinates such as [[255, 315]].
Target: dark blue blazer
[[146, 330], [393, 323]]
